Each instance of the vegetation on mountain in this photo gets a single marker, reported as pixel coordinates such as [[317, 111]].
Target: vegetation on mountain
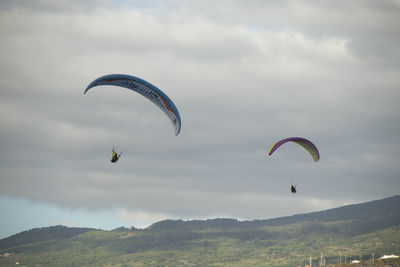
[[341, 235]]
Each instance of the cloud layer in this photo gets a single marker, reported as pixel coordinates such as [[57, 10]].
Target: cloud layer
[[242, 74]]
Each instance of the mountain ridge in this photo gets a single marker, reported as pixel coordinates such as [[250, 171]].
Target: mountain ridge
[[357, 230], [389, 210], [389, 214]]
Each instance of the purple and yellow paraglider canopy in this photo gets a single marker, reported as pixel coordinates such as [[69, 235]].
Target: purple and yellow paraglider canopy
[[308, 145]]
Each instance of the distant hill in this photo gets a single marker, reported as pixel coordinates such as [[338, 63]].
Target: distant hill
[[46, 235], [365, 217], [386, 210], [353, 231]]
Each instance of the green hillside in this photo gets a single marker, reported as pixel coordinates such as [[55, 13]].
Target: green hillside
[[353, 231]]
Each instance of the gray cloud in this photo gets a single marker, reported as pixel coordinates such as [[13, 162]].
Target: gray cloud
[[242, 75]]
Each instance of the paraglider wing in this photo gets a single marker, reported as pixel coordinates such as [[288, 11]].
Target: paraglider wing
[[308, 145], [147, 90]]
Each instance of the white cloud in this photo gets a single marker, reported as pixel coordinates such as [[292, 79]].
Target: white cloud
[[141, 219]]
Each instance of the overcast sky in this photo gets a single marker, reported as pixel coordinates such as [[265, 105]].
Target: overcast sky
[[243, 74]]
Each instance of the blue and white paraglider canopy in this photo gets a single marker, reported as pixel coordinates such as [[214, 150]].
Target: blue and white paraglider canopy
[[147, 90]]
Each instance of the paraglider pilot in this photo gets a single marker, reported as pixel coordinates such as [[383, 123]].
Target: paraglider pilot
[[115, 156], [293, 189]]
